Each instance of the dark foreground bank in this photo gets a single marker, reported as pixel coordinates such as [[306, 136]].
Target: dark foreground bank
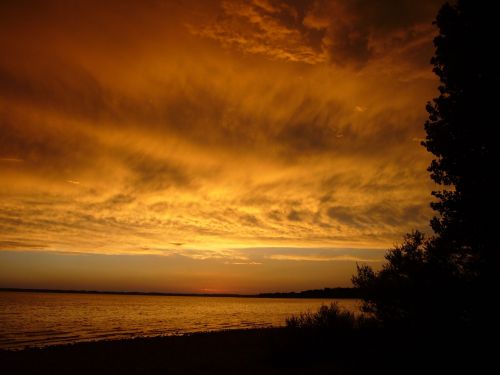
[[262, 351]]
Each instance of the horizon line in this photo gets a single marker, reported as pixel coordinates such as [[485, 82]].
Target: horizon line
[[174, 294]]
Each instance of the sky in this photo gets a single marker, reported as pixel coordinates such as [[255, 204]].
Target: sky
[[210, 146]]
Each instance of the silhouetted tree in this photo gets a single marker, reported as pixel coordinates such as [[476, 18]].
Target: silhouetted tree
[[461, 134], [389, 293], [450, 274], [411, 289]]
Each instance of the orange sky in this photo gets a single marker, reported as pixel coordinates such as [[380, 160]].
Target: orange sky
[[234, 146]]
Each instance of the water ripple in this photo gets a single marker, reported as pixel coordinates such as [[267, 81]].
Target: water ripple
[[41, 319]]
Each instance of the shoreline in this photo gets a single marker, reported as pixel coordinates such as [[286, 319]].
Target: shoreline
[[134, 340], [243, 351], [272, 351], [131, 339], [327, 293]]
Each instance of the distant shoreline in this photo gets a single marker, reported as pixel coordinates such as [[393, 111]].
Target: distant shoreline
[[328, 293]]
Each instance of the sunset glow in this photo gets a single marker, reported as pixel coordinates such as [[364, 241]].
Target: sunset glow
[[210, 145]]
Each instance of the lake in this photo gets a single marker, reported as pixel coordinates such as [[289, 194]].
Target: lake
[[41, 319]]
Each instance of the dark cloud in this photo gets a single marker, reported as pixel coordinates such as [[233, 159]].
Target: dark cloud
[[150, 174], [120, 199], [345, 215], [275, 215], [250, 220], [389, 214], [357, 30], [294, 215], [274, 30], [9, 245], [57, 86], [115, 202], [38, 143], [342, 32]]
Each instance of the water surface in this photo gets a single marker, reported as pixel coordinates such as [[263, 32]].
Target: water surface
[[41, 319]]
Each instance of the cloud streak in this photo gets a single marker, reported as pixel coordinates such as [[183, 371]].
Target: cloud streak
[[218, 127]]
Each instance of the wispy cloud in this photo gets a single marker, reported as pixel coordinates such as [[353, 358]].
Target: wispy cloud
[[319, 258], [11, 160], [270, 29], [220, 126]]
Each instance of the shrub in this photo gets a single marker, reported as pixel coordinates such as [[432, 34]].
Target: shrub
[[329, 318]]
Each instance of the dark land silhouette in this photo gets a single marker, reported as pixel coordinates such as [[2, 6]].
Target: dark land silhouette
[[315, 293], [315, 349], [262, 351]]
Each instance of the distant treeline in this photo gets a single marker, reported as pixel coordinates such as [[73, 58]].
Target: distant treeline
[[316, 293], [130, 293]]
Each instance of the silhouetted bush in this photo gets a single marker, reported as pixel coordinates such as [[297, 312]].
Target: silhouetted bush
[[329, 318], [411, 289]]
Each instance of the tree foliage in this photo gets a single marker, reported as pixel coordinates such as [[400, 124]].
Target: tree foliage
[[461, 134], [396, 281], [446, 277], [412, 289]]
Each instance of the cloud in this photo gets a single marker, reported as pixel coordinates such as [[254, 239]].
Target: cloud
[[155, 175], [316, 258], [11, 160], [382, 213], [315, 32], [277, 254], [244, 263], [272, 29], [20, 245], [219, 126], [294, 216]]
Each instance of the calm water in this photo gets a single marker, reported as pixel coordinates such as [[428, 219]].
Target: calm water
[[40, 319]]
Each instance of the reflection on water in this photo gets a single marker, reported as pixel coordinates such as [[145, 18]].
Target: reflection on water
[[40, 319]]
